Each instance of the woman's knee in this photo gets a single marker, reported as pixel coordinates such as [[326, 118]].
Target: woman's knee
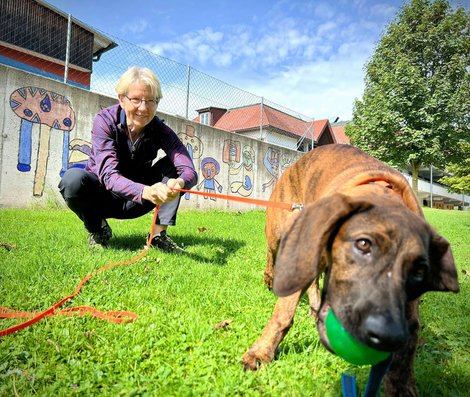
[[74, 182]]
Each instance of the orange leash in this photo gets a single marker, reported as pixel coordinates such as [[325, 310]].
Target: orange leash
[[117, 316], [265, 203], [113, 316]]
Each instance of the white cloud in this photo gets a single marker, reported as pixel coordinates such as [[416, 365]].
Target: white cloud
[[313, 65], [318, 88], [329, 77], [202, 45], [324, 11], [385, 10], [239, 44], [327, 28], [135, 26]]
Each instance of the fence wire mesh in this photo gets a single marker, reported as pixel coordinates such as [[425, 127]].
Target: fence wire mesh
[[41, 39]]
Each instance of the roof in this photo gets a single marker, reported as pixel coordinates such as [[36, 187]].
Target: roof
[[319, 126], [339, 133], [249, 118]]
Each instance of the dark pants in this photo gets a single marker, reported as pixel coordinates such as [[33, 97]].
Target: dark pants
[[92, 203]]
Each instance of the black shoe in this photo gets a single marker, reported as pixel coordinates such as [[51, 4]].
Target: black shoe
[[101, 238], [164, 243]]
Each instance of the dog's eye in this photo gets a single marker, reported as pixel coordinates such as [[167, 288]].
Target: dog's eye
[[363, 245], [418, 273]]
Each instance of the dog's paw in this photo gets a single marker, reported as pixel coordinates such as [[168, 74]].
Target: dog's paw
[[251, 362], [268, 280], [254, 358]]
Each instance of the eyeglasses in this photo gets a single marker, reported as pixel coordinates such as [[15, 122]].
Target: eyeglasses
[[137, 101]]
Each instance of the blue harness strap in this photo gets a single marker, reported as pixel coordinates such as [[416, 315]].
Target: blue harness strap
[[376, 374], [348, 385]]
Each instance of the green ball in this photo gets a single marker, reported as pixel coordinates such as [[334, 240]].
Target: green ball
[[348, 347]]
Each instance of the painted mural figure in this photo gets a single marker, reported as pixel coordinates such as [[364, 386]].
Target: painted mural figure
[[194, 146], [243, 185], [50, 111], [286, 162], [271, 162], [210, 168], [80, 151]]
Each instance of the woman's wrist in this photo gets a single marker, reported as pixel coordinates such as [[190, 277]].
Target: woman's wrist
[[180, 182]]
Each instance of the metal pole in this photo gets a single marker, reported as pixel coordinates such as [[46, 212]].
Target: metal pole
[[67, 50], [261, 119], [187, 92], [313, 133], [430, 181]]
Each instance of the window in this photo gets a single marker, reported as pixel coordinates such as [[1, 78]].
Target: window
[[204, 117]]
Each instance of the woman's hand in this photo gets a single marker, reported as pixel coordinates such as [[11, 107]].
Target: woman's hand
[[160, 193]]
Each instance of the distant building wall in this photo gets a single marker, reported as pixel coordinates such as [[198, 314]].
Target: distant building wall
[[272, 137], [46, 128]]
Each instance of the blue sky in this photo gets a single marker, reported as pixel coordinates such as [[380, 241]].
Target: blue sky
[[308, 56]]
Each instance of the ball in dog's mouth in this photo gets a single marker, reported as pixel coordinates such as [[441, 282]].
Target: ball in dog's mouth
[[346, 346]]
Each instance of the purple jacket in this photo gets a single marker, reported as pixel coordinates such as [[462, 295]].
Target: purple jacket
[[120, 167]]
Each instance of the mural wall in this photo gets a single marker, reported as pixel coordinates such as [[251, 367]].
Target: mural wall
[[46, 129], [35, 105]]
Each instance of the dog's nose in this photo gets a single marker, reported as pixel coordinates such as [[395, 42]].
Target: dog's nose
[[383, 333]]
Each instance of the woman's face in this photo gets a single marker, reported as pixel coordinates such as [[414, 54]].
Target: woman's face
[[138, 115]]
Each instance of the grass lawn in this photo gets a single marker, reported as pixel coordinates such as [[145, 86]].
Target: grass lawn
[[175, 348]]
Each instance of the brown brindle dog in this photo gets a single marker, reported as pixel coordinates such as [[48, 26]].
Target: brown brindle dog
[[363, 227]]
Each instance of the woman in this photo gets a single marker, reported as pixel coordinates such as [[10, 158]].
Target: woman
[[121, 179]]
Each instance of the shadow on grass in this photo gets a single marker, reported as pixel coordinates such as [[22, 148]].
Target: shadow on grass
[[212, 250]]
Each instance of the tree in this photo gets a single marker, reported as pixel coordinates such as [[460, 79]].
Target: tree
[[416, 104], [459, 181]]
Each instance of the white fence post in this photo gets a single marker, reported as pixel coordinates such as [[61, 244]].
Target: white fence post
[[67, 50], [187, 91]]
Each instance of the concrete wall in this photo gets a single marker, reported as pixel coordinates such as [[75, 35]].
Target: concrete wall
[[46, 125]]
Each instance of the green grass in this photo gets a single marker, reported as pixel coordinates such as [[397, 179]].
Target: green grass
[[174, 347]]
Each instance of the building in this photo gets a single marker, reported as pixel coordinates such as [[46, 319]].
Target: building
[[271, 125], [39, 38], [274, 126]]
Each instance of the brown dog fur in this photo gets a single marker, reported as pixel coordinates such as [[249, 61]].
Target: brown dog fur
[[362, 225]]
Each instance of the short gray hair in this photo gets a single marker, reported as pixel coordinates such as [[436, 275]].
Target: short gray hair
[[139, 74]]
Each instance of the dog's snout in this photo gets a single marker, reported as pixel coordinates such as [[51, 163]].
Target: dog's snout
[[383, 333]]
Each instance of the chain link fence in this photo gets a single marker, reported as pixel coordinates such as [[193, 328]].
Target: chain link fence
[[187, 90], [42, 39]]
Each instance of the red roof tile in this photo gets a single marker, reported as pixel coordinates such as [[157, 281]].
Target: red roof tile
[[249, 118], [339, 134], [318, 127]]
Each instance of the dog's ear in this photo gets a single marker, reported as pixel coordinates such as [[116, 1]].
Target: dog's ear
[[443, 270], [301, 247]]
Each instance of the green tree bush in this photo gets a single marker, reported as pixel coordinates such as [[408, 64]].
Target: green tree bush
[[459, 181], [415, 108]]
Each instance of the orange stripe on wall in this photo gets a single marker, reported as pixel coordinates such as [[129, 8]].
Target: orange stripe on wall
[[74, 75]]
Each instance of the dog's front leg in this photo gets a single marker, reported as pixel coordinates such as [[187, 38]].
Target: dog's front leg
[[264, 348], [400, 380]]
